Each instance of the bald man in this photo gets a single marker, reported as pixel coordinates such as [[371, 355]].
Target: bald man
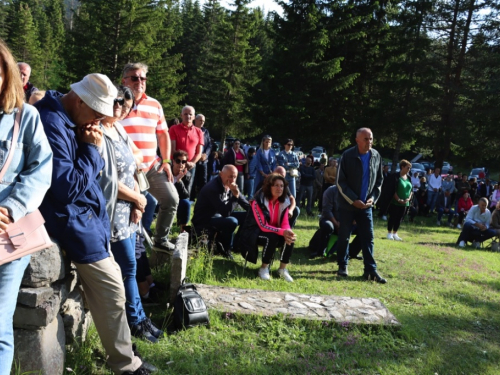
[[359, 184], [214, 209], [28, 87]]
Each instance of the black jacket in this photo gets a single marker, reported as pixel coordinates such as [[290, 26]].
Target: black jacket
[[248, 234], [214, 200], [350, 175]]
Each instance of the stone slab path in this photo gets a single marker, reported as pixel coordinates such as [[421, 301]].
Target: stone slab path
[[295, 305]]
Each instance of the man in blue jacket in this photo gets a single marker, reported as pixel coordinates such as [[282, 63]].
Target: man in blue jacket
[[74, 208], [359, 184]]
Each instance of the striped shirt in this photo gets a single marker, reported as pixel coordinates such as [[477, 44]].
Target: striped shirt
[[142, 124]]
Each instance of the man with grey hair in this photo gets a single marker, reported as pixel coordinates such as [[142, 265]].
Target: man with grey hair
[[146, 126], [187, 137], [28, 87], [359, 184], [75, 213], [201, 167]]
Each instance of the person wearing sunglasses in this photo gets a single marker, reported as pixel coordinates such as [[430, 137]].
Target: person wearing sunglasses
[[125, 205], [289, 160], [182, 178], [147, 127]]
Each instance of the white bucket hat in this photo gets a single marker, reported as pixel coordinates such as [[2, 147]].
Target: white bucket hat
[[98, 92]]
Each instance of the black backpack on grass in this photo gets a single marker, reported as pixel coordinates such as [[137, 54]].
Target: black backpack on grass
[[189, 308]]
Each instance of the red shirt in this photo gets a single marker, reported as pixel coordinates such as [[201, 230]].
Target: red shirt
[[187, 138]]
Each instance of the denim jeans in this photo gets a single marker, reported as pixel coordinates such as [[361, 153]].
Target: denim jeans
[[226, 227], [291, 185], [124, 253], [11, 275], [450, 213], [191, 181], [306, 192], [149, 211], [240, 181], [431, 199], [249, 186], [183, 211], [364, 221]]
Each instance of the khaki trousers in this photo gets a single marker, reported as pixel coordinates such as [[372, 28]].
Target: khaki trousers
[[105, 294]]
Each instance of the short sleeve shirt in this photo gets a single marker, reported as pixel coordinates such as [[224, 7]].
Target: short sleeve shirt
[[187, 138], [142, 124]]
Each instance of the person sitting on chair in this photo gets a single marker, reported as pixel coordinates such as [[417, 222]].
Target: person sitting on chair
[[214, 209], [477, 225], [268, 225]]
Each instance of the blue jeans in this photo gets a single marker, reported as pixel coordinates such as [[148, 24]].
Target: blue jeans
[[431, 199], [226, 227], [240, 181], [124, 253], [183, 211], [364, 221], [306, 192], [291, 185], [191, 181], [149, 213], [11, 275], [450, 213], [249, 186]]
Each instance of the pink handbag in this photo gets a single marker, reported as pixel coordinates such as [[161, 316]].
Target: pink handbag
[[28, 234]]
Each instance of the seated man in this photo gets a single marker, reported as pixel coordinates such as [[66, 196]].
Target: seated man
[[477, 225], [293, 211], [214, 209], [329, 224], [444, 207]]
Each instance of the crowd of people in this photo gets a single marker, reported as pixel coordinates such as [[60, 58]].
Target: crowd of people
[[101, 160]]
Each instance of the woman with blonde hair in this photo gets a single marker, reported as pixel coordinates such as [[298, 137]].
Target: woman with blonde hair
[[25, 183]]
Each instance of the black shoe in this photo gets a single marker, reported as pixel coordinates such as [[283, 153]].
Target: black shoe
[[374, 276], [164, 245], [342, 271], [141, 332], [145, 365], [155, 331]]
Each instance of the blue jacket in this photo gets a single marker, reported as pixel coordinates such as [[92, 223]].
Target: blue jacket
[[28, 176], [74, 208], [288, 160], [266, 165]]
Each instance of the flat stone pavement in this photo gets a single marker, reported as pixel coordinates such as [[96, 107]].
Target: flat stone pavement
[[297, 306]]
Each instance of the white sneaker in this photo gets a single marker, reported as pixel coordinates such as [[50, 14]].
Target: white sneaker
[[384, 218], [264, 273], [461, 244], [459, 226], [396, 237], [390, 236], [285, 275]]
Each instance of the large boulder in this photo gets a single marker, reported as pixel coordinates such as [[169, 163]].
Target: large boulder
[[45, 267]]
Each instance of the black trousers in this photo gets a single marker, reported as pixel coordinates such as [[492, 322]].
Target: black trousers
[[396, 215], [271, 241]]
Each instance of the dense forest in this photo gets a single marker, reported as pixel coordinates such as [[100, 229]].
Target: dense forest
[[423, 74]]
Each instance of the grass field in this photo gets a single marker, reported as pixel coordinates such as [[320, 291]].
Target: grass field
[[447, 300]]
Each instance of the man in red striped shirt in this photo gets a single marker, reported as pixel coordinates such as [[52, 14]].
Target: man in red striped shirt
[[146, 126]]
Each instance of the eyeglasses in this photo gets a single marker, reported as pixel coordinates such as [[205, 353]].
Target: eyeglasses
[[119, 101], [179, 161], [136, 78]]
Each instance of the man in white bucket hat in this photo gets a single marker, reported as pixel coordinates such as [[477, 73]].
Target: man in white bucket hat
[[75, 210]]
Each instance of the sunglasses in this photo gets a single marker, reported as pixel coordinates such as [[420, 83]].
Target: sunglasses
[[119, 101], [135, 78], [179, 161]]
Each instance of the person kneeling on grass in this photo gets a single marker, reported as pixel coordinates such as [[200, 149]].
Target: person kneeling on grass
[[267, 224], [477, 225]]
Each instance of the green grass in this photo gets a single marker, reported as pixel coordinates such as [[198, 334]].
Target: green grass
[[447, 300]]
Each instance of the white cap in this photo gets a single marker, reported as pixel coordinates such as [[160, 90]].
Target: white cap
[[98, 92]]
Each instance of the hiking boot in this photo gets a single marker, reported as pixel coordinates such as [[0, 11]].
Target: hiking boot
[[141, 332], [164, 245], [374, 276], [155, 331]]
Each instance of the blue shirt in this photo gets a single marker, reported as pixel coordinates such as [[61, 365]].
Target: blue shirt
[[365, 160]]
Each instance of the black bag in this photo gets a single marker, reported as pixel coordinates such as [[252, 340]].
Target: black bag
[[189, 308]]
